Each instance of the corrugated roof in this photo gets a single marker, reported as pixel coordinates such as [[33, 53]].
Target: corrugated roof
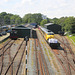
[[49, 24], [21, 28]]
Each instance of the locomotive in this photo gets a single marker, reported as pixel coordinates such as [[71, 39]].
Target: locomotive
[[49, 37], [13, 34]]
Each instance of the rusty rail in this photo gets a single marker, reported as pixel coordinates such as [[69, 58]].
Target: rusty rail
[[20, 60], [42, 58], [3, 54], [13, 58], [36, 44]]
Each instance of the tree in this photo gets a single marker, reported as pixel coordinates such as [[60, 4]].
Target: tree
[[15, 19], [1, 20], [3, 14], [69, 22], [55, 20], [18, 20], [12, 19], [26, 17], [32, 18], [7, 19], [43, 22]]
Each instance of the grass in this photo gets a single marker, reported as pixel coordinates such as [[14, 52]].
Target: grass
[[72, 38]]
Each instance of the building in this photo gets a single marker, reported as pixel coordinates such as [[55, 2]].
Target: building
[[53, 27], [22, 31]]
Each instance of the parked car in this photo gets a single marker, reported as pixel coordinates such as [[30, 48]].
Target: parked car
[[4, 33]]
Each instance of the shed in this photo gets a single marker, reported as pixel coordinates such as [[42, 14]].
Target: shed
[[22, 32], [53, 27]]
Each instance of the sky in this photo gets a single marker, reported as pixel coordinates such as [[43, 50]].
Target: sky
[[50, 8]]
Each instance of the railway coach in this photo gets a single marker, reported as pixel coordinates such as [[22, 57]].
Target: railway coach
[[49, 37]]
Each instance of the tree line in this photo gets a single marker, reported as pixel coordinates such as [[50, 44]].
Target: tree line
[[67, 23], [7, 18]]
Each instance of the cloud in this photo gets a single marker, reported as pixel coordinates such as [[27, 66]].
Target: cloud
[[6, 0], [51, 8], [25, 1]]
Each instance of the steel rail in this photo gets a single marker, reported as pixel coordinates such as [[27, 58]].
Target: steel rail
[[69, 49], [10, 62], [13, 58], [5, 44], [20, 60], [43, 55], [3, 56], [67, 61], [60, 63], [35, 40], [6, 48]]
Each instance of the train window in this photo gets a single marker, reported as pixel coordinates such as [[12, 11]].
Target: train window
[[50, 33]]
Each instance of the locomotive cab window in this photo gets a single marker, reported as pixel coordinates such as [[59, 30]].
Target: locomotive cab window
[[50, 33]]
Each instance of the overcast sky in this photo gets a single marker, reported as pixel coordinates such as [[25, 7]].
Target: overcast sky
[[50, 8]]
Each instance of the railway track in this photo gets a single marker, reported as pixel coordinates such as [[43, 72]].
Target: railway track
[[68, 56], [62, 56], [5, 48], [36, 54], [43, 65], [6, 43], [66, 45], [62, 61], [11, 58]]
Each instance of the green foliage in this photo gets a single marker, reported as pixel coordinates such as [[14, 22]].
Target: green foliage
[[7, 18], [67, 23], [12, 19], [3, 14], [43, 22], [18, 20], [32, 18], [15, 19], [26, 18], [72, 38], [1, 20], [55, 20]]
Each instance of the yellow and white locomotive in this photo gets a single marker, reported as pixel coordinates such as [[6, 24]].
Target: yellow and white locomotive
[[49, 37]]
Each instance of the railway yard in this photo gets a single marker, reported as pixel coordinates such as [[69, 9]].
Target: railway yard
[[36, 57]]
